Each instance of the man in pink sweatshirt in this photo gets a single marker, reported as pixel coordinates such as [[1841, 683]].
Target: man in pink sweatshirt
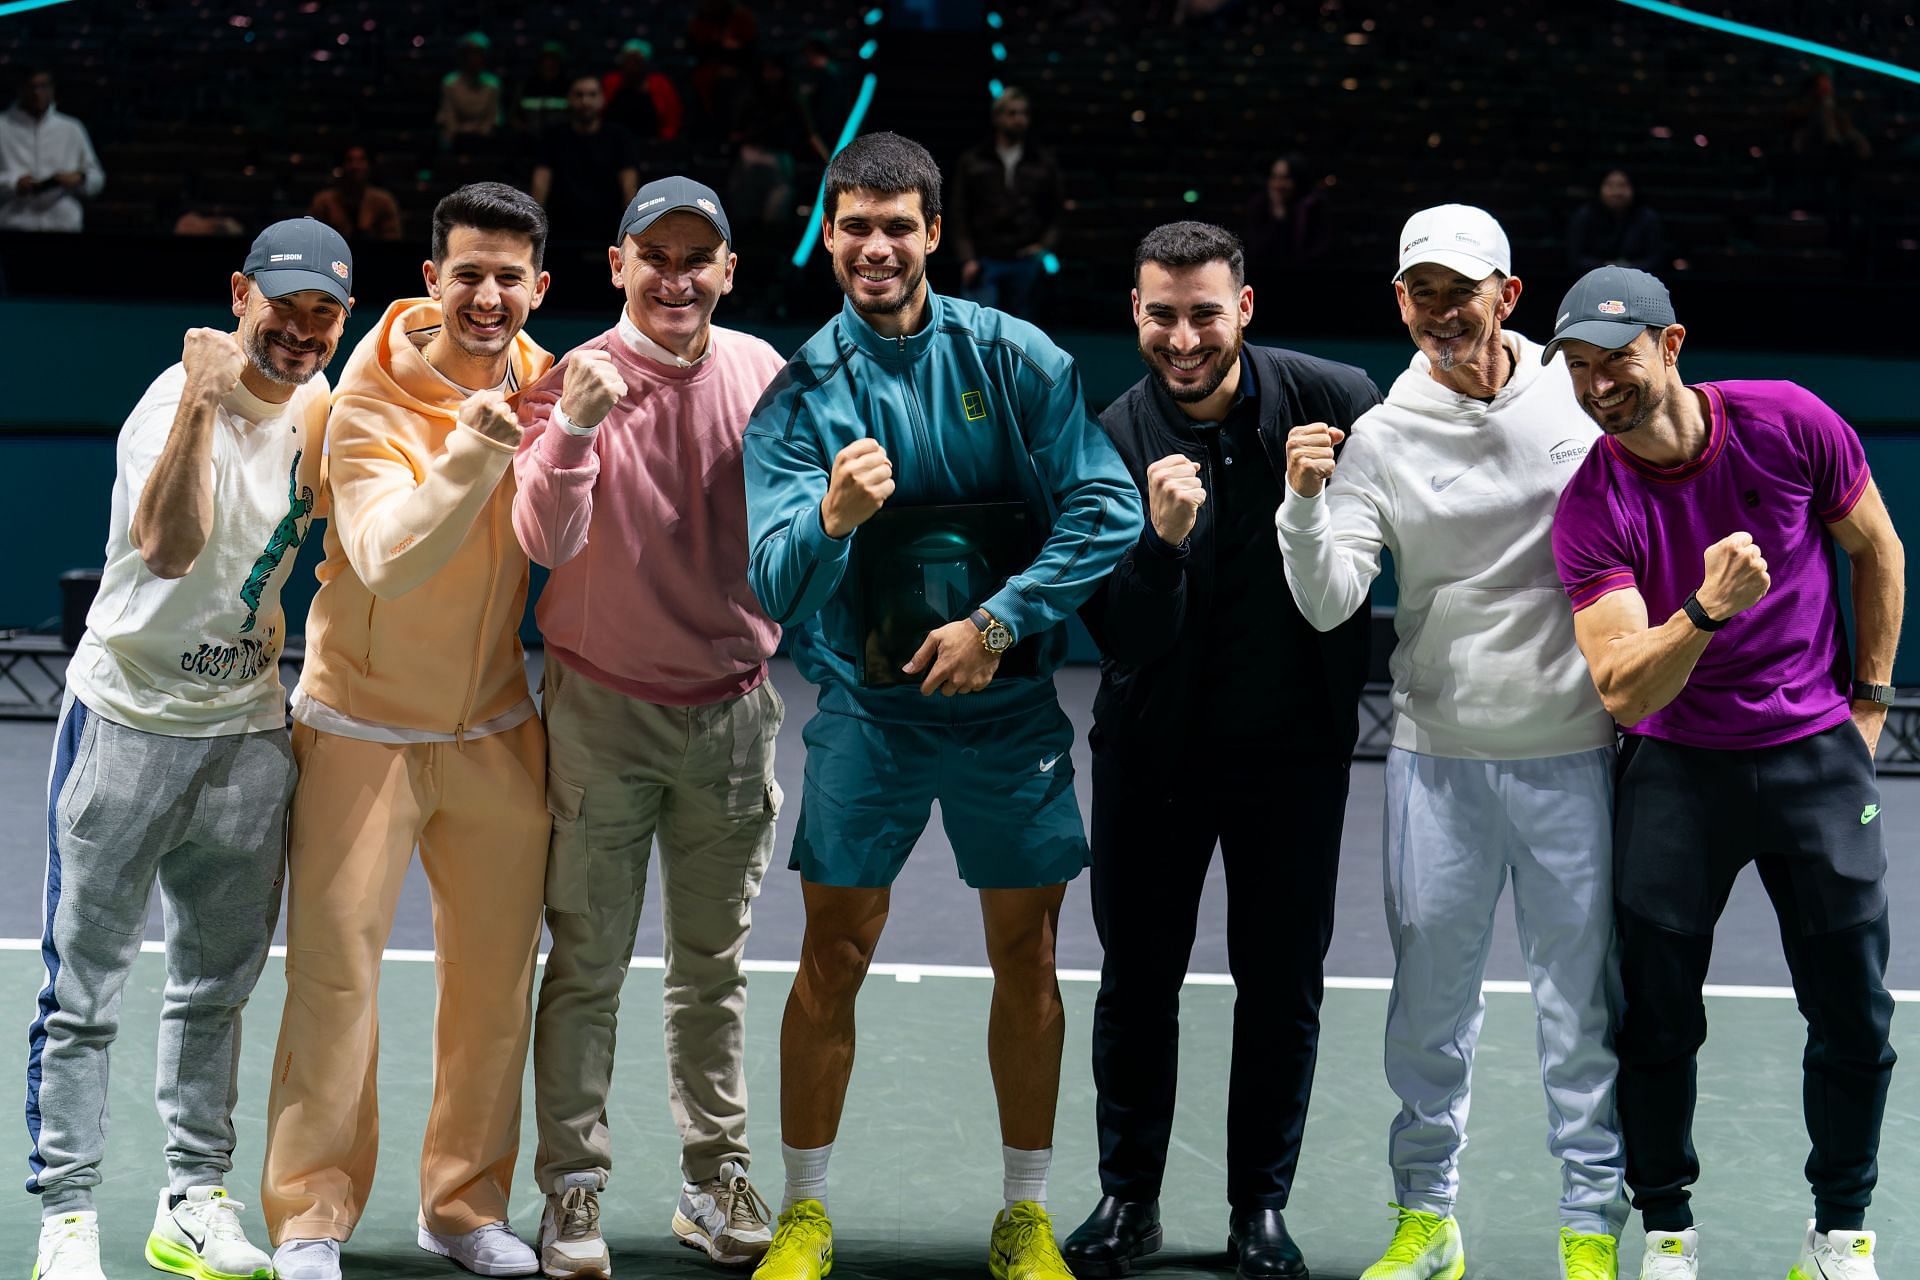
[[660, 718]]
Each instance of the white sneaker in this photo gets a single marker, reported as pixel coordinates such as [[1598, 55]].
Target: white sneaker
[[69, 1247], [725, 1217], [570, 1241], [1836, 1255], [492, 1250], [1671, 1255], [307, 1260], [201, 1237]]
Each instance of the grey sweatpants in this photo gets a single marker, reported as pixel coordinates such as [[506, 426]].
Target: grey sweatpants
[[206, 818]]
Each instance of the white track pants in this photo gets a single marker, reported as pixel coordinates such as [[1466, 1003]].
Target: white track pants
[[1454, 831]]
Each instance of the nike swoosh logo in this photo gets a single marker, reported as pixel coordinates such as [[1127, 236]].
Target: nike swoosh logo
[[1046, 766], [1869, 813], [1440, 486], [199, 1238]]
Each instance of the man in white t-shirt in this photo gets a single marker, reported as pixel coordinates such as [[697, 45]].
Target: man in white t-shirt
[[1502, 758], [172, 762]]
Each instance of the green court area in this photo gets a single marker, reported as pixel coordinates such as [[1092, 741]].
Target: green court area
[[916, 1171]]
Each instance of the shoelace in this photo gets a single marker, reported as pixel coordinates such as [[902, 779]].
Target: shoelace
[[745, 1207], [1412, 1236], [579, 1213], [219, 1215], [80, 1233], [797, 1232], [1589, 1251], [1031, 1229]]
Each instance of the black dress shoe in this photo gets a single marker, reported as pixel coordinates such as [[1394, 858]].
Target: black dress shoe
[[1259, 1246], [1114, 1234]]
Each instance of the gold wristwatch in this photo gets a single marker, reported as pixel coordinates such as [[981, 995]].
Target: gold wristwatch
[[994, 634]]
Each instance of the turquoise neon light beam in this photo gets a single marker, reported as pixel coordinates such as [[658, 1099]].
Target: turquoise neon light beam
[[1764, 36], [810, 234], [22, 6]]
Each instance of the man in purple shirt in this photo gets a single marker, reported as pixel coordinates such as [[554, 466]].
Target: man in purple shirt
[[1750, 738]]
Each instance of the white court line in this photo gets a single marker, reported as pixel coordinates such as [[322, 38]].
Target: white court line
[[902, 972]]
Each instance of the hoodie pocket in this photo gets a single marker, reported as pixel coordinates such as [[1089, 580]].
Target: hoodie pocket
[[1490, 657]]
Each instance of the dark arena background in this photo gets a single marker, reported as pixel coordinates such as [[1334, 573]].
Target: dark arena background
[[1772, 153]]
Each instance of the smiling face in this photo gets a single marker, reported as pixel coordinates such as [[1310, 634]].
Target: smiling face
[[1622, 388], [1191, 322], [1452, 319], [288, 339], [486, 287], [879, 244], [674, 274]]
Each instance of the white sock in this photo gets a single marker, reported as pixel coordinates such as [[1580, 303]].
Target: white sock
[[806, 1174], [1026, 1175]]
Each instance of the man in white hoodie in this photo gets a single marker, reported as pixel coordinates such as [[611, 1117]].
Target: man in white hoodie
[[1502, 756]]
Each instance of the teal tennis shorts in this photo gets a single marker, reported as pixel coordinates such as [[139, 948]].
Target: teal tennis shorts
[[1005, 789]]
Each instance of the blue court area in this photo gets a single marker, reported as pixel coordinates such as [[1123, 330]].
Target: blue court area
[[916, 1171]]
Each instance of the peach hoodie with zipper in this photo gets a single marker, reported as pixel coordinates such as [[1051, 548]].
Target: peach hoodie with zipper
[[417, 621]]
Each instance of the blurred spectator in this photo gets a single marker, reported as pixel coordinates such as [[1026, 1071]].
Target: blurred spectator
[[195, 223], [47, 164], [640, 99], [586, 169], [725, 39], [353, 206], [542, 99], [824, 95], [1004, 210], [1287, 222], [770, 130], [469, 96], [1829, 153], [1612, 230]]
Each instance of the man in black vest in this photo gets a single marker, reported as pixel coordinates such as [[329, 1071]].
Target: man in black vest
[[1223, 717]]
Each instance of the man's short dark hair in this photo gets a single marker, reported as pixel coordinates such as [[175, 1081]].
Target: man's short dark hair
[[490, 206], [889, 164], [1191, 244]]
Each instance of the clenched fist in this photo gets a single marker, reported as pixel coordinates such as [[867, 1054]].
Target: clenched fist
[[860, 485], [1736, 577], [489, 413], [592, 388], [214, 361], [1174, 497], [1310, 457]]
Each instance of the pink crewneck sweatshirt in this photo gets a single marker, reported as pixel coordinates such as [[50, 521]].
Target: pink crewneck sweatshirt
[[644, 525]]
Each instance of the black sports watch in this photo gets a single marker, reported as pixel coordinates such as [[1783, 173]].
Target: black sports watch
[[1880, 693], [993, 632], [1698, 612]]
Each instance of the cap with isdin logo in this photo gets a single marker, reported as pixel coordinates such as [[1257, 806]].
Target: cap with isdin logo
[[1458, 237], [1610, 307], [663, 196], [300, 254]]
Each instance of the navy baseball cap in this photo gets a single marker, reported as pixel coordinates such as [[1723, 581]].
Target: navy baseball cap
[[664, 195], [301, 253], [1609, 307]]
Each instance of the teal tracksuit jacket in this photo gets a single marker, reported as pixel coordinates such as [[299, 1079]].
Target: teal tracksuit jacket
[[974, 407]]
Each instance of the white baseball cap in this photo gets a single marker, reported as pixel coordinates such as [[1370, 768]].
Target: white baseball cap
[[1458, 237]]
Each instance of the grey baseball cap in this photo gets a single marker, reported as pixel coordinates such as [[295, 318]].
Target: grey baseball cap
[[1609, 307], [664, 195], [301, 253]]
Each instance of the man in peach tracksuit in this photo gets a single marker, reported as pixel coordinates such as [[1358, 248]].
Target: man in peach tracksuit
[[660, 718], [413, 725]]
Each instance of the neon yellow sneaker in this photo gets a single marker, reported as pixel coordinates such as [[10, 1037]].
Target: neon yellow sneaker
[[1836, 1255], [802, 1247], [1425, 1246], [1588, 1257], [1022, 1247]]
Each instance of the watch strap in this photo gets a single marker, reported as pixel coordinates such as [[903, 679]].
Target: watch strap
[[981, 619], [1880, 693], [1698, 613]]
